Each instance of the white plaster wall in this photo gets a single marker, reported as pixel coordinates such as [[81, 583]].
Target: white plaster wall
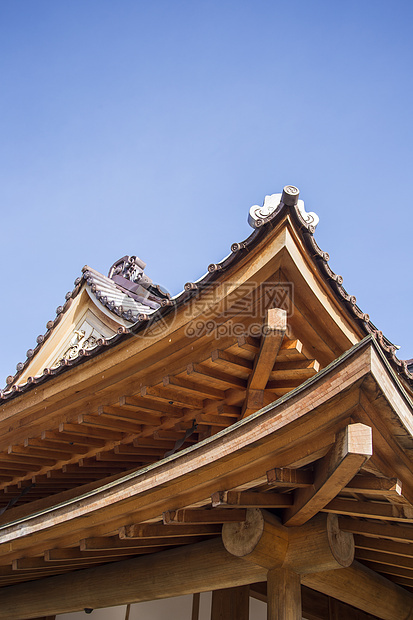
[[178, 608]]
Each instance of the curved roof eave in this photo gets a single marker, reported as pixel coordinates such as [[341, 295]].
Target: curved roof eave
[[238, 250]]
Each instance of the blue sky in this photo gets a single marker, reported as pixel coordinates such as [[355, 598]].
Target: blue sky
[[150, 128]]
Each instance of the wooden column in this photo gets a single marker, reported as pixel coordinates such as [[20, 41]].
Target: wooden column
[[231, 604], [196, 599], [283, 595]]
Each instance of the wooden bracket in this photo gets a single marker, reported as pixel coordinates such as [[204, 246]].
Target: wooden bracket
[[352, 449]]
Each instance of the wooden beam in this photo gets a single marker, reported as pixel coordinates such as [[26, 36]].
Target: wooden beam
[[133, 403], [55, 445], [352, 449], [390, 570], [64, 437], [219, 421], [231, 362], [109, 423], [153, 530], [201, 567], [29, 462], [100, 543], [387, 559], [285, 477], [195, 568], [283, 595], [230, 604], [316, 546], [371, 510], [290, 349], [126, 415], [390, 488], [89, 432], [189, 515], [212, 375], [169, 396], [364, 589], [386, 546], [69, 554], [302, 369], [33, 565], [133, 450], [245, 499], [58, 455], [190, 387], [274, 328], [399, 533], [26, 568]]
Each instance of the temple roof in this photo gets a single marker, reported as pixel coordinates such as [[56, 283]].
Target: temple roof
[[130, 295], [125, 295], [291, 402]]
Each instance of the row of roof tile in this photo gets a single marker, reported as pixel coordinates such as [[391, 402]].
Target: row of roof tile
[[139, 314]]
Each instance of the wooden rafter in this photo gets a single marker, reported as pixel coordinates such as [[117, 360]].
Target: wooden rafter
[[371, 510], [251, 499], [194, 516]]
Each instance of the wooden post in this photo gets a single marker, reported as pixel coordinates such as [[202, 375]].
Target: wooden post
[[230, 604], [196, 598], [283, 595]]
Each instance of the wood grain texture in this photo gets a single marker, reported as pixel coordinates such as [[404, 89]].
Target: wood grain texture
[[230, 604], [353, 447], [283, 595]]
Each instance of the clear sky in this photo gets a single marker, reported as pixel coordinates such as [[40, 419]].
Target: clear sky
[[150, 128]]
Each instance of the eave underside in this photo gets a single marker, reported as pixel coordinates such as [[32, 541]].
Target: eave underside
[[283, 459]]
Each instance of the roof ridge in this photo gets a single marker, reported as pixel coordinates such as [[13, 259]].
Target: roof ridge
[[306, 224]]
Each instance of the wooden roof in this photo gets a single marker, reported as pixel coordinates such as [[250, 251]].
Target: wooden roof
[[261, 384], [117, 301], [108, 295]]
